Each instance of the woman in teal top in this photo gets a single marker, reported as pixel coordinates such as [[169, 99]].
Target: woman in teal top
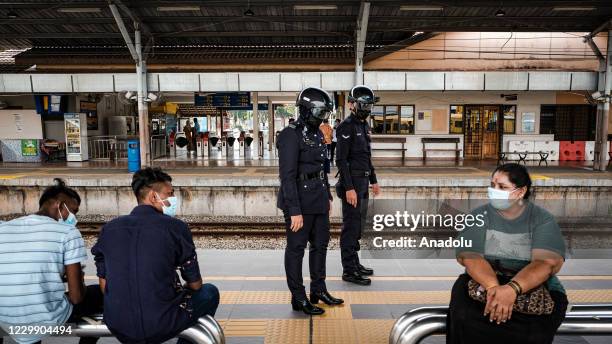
[[519, 248]]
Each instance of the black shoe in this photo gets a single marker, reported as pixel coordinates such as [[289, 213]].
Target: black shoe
[[356, 278], [326, 297], [306, 307], [365, 271]]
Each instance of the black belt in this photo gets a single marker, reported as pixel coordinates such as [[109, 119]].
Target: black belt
[[360, 173], [313, 175]]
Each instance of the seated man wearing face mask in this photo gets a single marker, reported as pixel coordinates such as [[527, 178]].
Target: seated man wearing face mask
[[36, 253], [137, 256]]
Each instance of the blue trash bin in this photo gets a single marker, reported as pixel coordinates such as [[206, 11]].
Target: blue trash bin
[[133, 153]]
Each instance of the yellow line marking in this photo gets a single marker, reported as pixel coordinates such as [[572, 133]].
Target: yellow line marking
[[11, 176], [540, 177]]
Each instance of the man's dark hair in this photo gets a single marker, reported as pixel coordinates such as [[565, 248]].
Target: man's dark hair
[[291, 120], [144, 178], [325, 121], [58, 188], [518, 175]]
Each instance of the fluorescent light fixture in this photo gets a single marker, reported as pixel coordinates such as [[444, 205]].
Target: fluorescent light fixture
[[79, 9], [315, 7], [574, 8], [177, 8], [420, 8]]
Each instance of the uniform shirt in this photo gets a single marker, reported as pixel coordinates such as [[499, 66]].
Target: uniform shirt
[[138, 255], [353, 151], [301, 152], [508, 243], [33, 252], [327, 131]]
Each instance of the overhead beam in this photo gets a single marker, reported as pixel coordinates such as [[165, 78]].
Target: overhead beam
[[124, 33], [241, 3], [113, 35], [293, 18], [361, 33], [399, 45]]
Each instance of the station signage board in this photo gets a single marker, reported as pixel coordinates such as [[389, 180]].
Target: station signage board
[[224, 99]]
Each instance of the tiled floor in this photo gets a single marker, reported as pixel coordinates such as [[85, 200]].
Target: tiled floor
[[255, 301]]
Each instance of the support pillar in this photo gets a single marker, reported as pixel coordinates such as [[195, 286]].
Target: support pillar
[[143, 109], [603, 110], [255, 145], [271, 135]]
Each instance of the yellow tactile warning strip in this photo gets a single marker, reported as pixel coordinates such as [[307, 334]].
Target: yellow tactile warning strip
[[294, 331], [373, 331], [336, 312], [389, 297], [333, 331], [244, 327]]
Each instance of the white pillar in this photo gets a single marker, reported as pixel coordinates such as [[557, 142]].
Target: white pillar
[[143, 111], [271, 135], [603, 112], [255, 149]]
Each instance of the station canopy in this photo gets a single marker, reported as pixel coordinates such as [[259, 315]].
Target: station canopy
[[85, 31]]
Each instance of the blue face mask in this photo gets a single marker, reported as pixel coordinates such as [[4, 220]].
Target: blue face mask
[[500, 199], [169, 210], [70, 220]]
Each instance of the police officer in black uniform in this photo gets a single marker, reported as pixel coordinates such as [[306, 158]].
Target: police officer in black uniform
[[305, 199], [354, 162]]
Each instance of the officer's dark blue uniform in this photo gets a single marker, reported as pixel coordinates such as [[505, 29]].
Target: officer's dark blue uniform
[[304, 191], [354, 161]]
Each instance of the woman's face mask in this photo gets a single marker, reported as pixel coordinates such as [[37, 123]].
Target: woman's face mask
[[169, 210], [500, 199], [70, 219]]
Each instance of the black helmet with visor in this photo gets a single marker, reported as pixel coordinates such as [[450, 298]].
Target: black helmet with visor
[[363, 98], [315, 105]]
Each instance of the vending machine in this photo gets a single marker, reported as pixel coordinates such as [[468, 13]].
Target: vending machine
[[75, 125]]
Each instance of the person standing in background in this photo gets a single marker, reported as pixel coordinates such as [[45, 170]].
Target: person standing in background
[[327, 132], [187, 129], [334, 141]]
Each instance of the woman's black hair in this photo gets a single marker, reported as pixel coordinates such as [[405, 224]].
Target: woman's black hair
[[145, 178], [518, 175], [59, 188]]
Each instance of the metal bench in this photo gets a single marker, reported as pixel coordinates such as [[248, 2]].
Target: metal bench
[[399, 140], [415, 325], [206, 331], [503, 156], [454, 140]]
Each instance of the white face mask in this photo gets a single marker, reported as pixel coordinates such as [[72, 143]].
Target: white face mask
[[171, 209], [500, 199], [70, 220]]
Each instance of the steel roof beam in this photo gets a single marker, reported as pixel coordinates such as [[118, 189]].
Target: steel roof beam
[[361, 33]]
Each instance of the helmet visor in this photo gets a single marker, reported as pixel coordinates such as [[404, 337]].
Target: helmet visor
[[321, 112], [364, 106]]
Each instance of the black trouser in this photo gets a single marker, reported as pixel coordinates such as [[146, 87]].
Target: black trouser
[[353, 221], [315, 232], [332, 150]]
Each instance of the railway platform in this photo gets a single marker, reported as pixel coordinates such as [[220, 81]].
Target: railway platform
[[255, 306]]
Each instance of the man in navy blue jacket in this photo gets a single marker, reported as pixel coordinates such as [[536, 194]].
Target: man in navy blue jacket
[[137, 256]]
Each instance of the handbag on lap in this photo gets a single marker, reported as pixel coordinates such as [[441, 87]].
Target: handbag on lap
[[536, 302]]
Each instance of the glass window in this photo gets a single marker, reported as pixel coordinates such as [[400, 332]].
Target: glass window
[[509, 119], [377, 119], [456, 119], [407, 119], [391, 120]]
